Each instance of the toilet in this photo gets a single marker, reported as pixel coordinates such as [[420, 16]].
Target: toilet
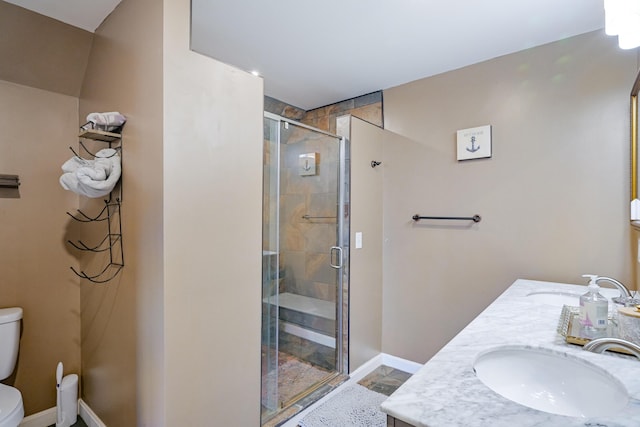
[[11, 408]]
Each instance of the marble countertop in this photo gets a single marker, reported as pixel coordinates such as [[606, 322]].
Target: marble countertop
[[445, 392]]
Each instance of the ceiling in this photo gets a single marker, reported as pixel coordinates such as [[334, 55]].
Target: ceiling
[[315, 54], [85, 14]]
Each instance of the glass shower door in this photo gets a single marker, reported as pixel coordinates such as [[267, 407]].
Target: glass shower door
[[270, 261], [304, 262]]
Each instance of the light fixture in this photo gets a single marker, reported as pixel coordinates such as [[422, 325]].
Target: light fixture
[[622, 19]]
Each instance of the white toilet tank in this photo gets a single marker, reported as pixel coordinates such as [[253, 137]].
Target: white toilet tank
[[9, 339]]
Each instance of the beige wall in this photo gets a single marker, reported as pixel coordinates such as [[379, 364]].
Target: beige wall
[[553, 198], [156, 332], [37, 127], [41, 52], [122, 343], [365, 265], [153, 333], [212, 231]]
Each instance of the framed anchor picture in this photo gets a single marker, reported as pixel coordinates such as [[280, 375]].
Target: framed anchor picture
[[474, 143]]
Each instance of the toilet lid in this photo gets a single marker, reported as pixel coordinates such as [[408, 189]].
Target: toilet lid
[[10, 405]]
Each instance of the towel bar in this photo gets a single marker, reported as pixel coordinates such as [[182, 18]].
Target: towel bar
[[9, 181], [475, 218], [307, 216]]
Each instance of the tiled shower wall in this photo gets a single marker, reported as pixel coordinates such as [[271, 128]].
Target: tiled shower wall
[[305, 243], [366, 107]]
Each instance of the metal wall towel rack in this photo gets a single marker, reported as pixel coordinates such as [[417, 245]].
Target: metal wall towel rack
[[307, 216], [112, 242], [91, 153], [110, 214], [475, 218]]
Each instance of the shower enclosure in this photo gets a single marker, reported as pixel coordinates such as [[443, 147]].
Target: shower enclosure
[[304, 265]]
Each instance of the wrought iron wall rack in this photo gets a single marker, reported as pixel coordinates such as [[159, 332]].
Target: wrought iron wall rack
[[475, 218], [110, 213]]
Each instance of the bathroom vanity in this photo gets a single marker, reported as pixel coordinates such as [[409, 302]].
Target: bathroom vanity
[[446, 392]]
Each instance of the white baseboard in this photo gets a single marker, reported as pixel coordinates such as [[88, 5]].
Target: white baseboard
[[88, 416], [388, 360], [48, 417], [402, 364], [41, 419]]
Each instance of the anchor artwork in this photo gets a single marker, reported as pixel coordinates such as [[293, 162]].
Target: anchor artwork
[[474, 143], [473, 147], [307, 164]]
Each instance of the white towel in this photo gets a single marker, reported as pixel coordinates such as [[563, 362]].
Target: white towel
[[74, 163], [92, 178], [108, 121]]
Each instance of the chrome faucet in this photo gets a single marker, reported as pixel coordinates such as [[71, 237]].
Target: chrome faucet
[[601, 344], [625, 295]]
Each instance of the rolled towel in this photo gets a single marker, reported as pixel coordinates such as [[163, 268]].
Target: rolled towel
[[74, 163], [99, 180], [108, 121], [92, 178], [69, 181], [99, 170]]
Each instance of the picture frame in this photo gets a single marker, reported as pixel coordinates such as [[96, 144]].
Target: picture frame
[[474, 143]]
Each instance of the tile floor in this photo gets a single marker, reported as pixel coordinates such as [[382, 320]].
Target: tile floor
[[384, 379]]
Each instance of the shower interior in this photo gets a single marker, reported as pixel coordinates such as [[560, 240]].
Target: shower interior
[[305, 265]]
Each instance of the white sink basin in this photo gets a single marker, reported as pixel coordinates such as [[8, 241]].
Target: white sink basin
[[550, 382], [554, 298]]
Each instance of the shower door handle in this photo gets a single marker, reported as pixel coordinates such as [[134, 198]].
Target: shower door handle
[[337, 251]]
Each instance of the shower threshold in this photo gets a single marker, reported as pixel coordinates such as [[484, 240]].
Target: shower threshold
[[303, 400]]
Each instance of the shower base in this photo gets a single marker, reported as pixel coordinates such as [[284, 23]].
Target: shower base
[[295, 378]]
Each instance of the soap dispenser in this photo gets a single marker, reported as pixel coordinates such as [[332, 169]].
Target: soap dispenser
[[594, 308]]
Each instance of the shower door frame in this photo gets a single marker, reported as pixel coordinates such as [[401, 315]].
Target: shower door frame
[[342, 240]]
